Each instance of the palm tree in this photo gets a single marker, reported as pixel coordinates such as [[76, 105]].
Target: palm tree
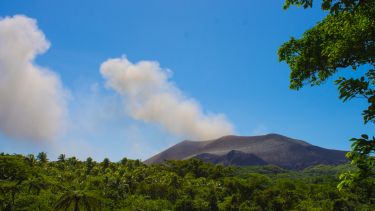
[[106, 162], [79, 199], [124, 161], [61, 158], [42, 157], [36, 184], [30, 159], [89, 165]]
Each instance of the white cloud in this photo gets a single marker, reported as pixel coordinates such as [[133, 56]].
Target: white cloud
[[32, 99], [150, 96]]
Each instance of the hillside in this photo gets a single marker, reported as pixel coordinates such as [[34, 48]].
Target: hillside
[[253, 150]]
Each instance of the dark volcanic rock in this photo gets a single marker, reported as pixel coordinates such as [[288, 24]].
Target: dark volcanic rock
[[253, 150], [233, 158]]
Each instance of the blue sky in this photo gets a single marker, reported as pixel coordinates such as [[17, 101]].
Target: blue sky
[[223, 54]]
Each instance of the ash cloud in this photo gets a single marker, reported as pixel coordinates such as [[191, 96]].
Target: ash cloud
[[150, 96], [32, 98]]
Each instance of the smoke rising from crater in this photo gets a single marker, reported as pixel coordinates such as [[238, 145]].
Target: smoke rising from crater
[[150, 96], [32, 99]]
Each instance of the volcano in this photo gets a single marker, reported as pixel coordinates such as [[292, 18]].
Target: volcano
[[253, 150]]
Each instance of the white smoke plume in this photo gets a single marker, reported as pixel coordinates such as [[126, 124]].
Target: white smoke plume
[[32, 99], [150, 96]]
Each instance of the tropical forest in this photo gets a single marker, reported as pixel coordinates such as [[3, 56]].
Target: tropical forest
[[199, 105]]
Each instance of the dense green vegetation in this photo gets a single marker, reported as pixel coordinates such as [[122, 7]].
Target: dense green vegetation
[[342, 44], [29, 183]]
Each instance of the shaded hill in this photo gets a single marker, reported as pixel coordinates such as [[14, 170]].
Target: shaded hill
[[253, 150]]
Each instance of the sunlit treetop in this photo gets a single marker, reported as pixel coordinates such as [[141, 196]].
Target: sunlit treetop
[[331, 5], [344, 38]]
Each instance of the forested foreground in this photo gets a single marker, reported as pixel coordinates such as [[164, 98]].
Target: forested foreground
[[34, 183]]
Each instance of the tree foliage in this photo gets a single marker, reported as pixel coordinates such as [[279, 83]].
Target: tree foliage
[[175, 185], [78, 200], [344, 40]]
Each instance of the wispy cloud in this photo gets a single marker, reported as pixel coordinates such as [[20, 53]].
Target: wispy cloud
[[32, 98], [150, 96]]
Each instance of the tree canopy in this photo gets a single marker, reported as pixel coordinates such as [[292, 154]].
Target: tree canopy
[[342, 42], [175, 185]]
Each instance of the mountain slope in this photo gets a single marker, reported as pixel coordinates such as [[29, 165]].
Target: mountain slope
[[253, 150]]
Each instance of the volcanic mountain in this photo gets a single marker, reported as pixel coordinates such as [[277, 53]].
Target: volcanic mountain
[[253, 150]]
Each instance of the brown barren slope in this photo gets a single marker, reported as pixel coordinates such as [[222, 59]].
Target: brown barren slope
[[253, 150]]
